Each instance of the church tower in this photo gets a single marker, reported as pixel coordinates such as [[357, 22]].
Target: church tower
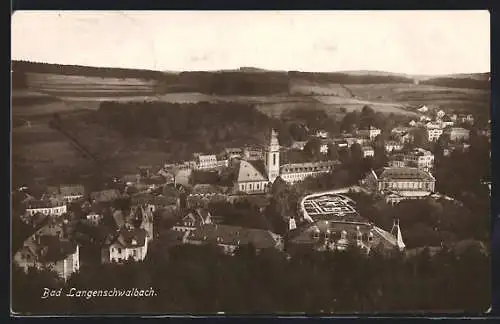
[[272, 159]]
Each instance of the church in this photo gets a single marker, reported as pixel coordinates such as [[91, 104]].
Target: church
[[258, 176]]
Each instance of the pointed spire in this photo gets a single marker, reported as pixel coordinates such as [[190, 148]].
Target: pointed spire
[[396, 232]]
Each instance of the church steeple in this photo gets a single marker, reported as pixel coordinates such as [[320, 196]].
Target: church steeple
[[272, 160], [396, 232]]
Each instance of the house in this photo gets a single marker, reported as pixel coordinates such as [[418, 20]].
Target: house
[[233, 153], [193, 220], [397, 184], [413, 123], [229, 238], [249, 179], [153, 183], [323, 147], [396, 161], [73, 192], [327, 235], [94, 218], [368, 151], [253, 153], [371, 132], [447, 122], [423, 109], [298, 145], [440, 114], [419, 158], [321, 134], [206, 162], [433, 134], [128, 244], [422, 119], [457, 134], [47, 207], [391, 146], [50, 248]]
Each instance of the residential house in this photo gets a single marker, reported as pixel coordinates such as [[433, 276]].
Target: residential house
[[229, 238], [413, 123], [128, 244], [391, 146], [422, 119], [457, 134], [370, 133], [73, 192], [193, 220], [233, 153], [447, 122], [94, 219], [206, 162], [424, 109], [253, 153], [434, 131], [397, 184], [50, 248], [298, 145], [440, 114], [419, 158], [368, 151], [321, 134]]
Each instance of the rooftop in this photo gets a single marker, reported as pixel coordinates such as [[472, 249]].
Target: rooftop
[[247, 172], [46, 203], [405, 173], [234, 235]]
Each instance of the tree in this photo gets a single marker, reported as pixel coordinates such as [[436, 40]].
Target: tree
[[312, 148], [367, 117], [333, 154]]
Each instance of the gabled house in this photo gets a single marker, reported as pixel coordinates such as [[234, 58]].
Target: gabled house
[[193, 220], [127, 244]]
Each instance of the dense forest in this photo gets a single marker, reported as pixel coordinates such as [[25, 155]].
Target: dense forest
[[344, 78], [202, 280], [466, 83]]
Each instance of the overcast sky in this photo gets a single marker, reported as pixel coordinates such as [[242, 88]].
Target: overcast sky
[[413, 42]]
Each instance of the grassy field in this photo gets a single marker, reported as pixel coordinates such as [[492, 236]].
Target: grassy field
[[39, 151]]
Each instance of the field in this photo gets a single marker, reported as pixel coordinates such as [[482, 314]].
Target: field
[[40, 151]]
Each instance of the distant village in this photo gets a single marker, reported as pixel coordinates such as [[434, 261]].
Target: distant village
[[119, 225]]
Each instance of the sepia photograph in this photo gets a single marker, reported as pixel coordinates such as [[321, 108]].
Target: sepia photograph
[[288, 163]]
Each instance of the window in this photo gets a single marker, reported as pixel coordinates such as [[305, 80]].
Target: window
[[119, 250], [274, 159], [258, 186]]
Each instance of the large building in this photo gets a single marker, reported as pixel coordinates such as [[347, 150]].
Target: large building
[[457, 134], [48, 207], [433, 134], [370, 133], [398, 184], [229, 238], [255, 177], [333, 223], [419, 158]]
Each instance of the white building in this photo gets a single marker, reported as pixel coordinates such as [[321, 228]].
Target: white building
[[368, 151], [129, 244], [206, 162], [397, 184], [49, 207], [371, 132], [458, 134], [440, 114], [391, 146], [420, 158], [252, 177], [433, 134], [423, 109], [321, 134]]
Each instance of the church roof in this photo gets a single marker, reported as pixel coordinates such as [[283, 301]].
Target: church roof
[[248, 172]]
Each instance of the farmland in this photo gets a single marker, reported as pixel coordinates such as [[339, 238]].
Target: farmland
[[76, 93]]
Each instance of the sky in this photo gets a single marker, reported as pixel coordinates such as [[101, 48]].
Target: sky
[[410, 42]]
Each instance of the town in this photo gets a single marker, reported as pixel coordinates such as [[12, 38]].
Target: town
[[195, 202]]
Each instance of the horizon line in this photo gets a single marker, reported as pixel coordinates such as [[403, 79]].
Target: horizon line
[[409, 75]]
